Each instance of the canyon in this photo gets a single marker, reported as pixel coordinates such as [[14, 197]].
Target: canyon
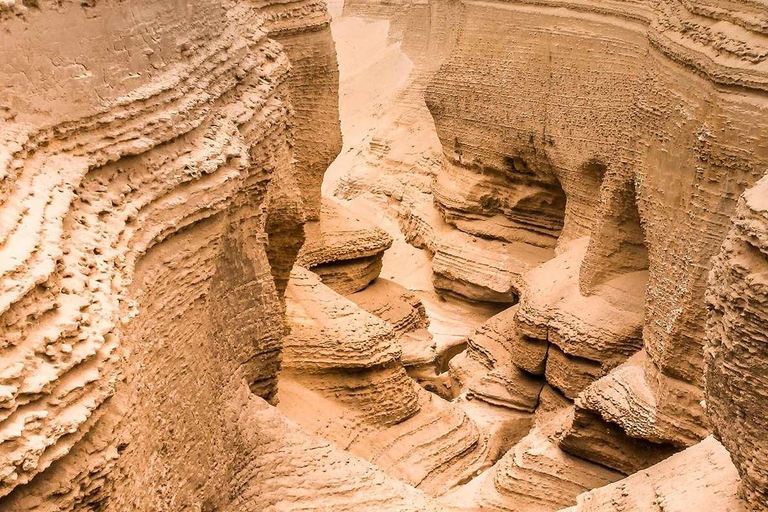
[[408, 255]]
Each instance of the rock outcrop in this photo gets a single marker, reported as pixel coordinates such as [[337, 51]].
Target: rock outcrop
[[302, 27], [736, 353], [149, 222], [343, 249], [344, 379], [699, 478]]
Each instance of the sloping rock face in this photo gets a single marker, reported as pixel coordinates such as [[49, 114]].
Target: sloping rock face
[[344, 379], [343, 249], [639, 126], [160, 173], [699, 478], [149, 221]]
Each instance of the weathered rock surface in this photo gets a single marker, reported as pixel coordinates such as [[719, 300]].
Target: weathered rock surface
[[584, 165], [344, 379], [149, 215], [343, 249], [535, 475], [407, 316], [303, 28], [649, 169], [106, 170], [737, 344], [699, 478]]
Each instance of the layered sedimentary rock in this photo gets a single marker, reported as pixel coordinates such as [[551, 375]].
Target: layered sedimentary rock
[[344, 379], [580, 162], [699, 478], [407, 316], [303, 29], [737, 344], [535, 475], [633, 112], [104, 165], [343, 249]]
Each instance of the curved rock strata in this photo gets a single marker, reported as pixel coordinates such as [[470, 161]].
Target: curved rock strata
[[344, 379], [737, 343], [186, 324], [344, 250], [148, 217]]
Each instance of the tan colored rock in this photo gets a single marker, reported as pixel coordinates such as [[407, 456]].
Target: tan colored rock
[[149, 217], [736, 353], [660, 410], [133, 209], [406, 314], [343, 379], [343, 249], [535, 475], [496, 205], [303, 28], [569, 374], [604, 327], [629, 109], [699, 478], [482, 270], [589, 437]]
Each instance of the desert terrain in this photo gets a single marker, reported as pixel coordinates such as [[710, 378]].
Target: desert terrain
[[369, 255]]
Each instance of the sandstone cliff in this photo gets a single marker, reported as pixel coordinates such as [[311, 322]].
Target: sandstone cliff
[[150, 218], [537, 279]]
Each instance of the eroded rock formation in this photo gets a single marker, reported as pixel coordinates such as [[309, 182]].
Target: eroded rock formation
[[150, 220], [537, 279]]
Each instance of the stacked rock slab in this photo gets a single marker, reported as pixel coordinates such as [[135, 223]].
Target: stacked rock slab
[[701, 477], [535, 475], [706, 475], [463, 265], [145, 163], [406, 314], [343, 379], [343, 249]]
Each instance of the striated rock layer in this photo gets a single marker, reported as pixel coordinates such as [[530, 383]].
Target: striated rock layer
[[343, 249], [303, 29], [344, 380], [737, 344], [149, 222], [579, 162], [639, 125]]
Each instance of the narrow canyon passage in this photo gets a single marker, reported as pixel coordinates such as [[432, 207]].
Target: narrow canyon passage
[[387, 130], [383, 255]]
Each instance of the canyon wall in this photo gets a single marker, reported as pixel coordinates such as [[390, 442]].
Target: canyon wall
[[151, 214], [736, 353], [622, 135], [592, 159]]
